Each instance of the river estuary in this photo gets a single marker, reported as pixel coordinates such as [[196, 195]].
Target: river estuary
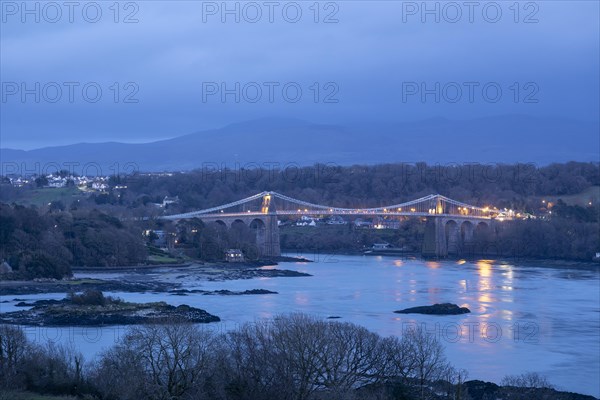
[[524, 316]]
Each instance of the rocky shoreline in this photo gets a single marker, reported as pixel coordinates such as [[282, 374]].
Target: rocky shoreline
[[171, 280], [147, 280], [115, 312], [64, 286], [480, 390]]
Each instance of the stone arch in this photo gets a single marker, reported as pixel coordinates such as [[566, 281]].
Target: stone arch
[[482, 225], [466, 232], [240, 234], [482, 234], [238, 222], [452, 231], [257, 224], [220, 223]]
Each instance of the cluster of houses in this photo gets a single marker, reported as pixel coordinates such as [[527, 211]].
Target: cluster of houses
[[84, 183], [19, 181]]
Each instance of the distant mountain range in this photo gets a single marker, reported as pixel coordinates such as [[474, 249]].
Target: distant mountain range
[[504, 139]]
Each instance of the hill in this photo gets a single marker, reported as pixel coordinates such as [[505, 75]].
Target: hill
[[501, 139]]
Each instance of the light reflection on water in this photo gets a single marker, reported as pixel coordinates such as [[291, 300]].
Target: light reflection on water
[[523, 318]]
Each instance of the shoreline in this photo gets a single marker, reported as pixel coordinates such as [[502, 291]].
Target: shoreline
[[139, 280], [243, 264]]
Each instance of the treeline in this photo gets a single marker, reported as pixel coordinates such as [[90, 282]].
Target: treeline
[[47, 243], [515, 186], [510, 186], [555, 238], [551, 238], [291, 357]]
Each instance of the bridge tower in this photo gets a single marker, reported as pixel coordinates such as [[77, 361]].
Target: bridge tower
[[434, 242], [267, 239]]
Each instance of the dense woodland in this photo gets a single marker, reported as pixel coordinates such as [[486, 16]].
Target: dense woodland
[[512, 186], [46, 244], [104, 229]]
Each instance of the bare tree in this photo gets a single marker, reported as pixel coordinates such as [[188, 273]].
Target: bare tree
[[157, 362], [118, 373], [428, 356], [297, 356], [300, 342], [13, 349], [351, 358], [527, 380], [54, 367], [251, 367], [399, 361], [451, 381]]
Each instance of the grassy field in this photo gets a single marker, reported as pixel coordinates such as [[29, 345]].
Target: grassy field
[[156, 259], [157, 256], [591, 194], [43, 196]]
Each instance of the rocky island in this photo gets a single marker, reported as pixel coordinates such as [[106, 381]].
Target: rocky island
[[92, 308], [222, 292], [436, 309]]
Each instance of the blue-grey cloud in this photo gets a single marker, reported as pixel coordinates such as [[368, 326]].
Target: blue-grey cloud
[[367, 55]]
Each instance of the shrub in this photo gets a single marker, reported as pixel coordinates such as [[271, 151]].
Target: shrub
[[89, 297]]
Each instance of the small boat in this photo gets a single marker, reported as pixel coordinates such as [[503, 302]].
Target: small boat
[[384, 249]]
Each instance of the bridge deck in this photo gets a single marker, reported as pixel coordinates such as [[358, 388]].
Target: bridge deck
[[322, 212], [433, 205]]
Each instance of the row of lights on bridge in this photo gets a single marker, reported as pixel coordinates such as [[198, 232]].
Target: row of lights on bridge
[[385, 210], [461, 210]]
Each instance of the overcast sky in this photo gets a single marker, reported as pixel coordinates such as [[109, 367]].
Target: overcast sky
[[163, 66]]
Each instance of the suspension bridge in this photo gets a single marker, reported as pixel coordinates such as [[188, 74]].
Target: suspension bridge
[[450, 223]]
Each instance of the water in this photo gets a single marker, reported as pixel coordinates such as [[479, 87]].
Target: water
[[523, 317]]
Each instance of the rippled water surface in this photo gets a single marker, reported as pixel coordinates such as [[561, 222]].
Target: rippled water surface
[[523, 317]]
